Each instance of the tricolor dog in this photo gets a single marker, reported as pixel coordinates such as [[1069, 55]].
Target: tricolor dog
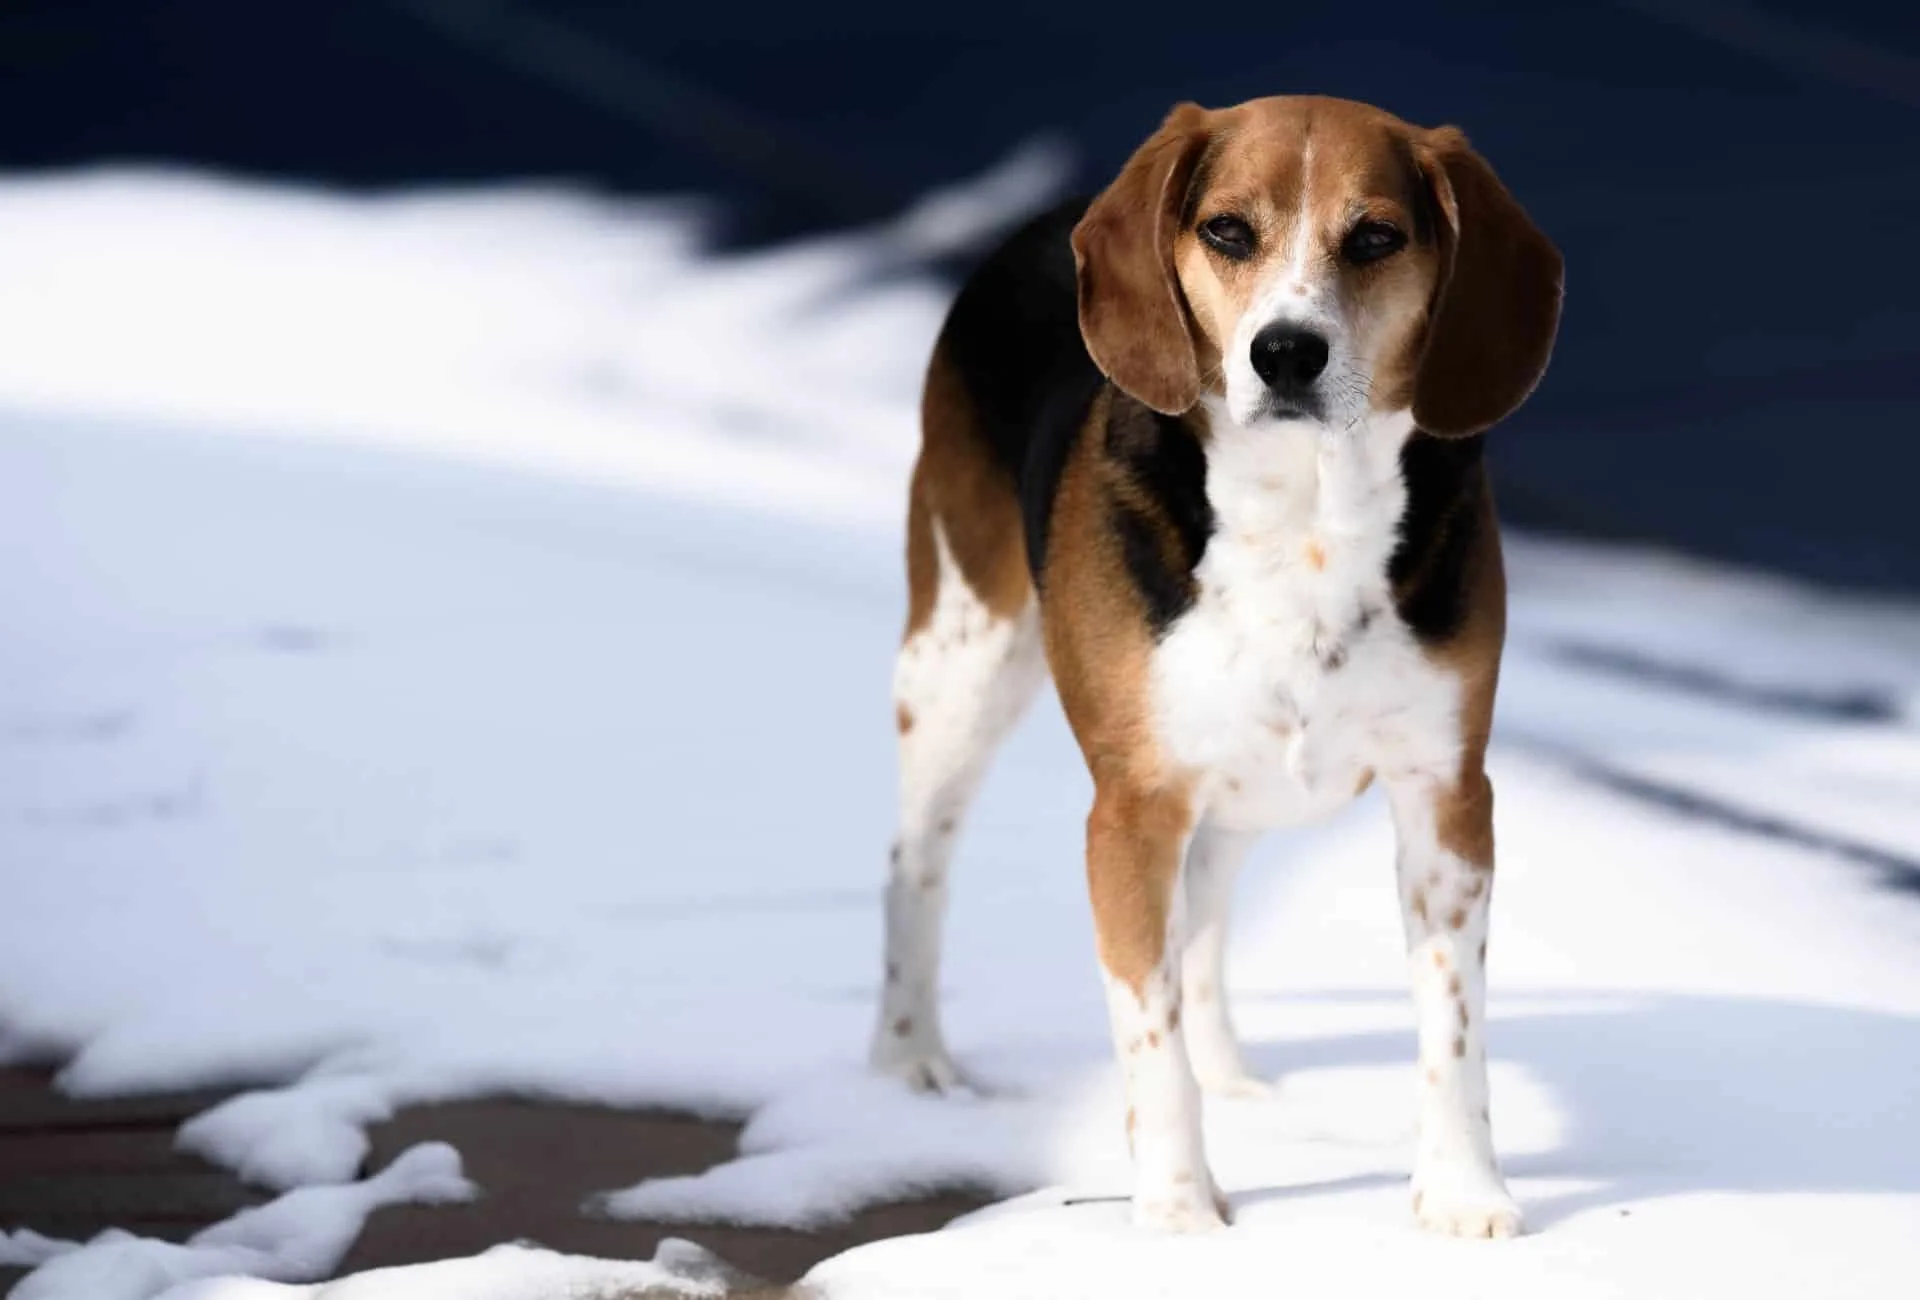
[[1209, 449]]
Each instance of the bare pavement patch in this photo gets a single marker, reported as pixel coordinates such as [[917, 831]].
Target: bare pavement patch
[[70, 1168]]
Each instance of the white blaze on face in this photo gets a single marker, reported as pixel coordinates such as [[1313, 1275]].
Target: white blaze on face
[[1301, 291]]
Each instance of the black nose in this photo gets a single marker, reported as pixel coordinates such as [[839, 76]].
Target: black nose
[[1288, 358]]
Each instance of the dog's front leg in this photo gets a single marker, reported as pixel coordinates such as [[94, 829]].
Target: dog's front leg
[[1213, 858], [1136, 840], [1445, 829]]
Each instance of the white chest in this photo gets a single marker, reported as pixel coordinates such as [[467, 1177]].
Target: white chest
[[1291, 680]]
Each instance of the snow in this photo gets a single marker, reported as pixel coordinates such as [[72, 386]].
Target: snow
[[25, 1248], [447, 654], [527, 328], [679, 1270]]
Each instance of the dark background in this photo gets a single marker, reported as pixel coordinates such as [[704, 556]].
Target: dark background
[[1734, 185]]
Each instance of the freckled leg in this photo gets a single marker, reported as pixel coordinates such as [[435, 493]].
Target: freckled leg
[[1446, 882], [1135, 842], [1213, 863], [957, 701], [960, 685]]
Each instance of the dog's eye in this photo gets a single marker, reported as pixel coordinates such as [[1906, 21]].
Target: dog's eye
[[1228, 236], [1370, 241]]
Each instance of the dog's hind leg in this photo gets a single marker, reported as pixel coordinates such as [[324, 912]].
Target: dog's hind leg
[[969, 665]]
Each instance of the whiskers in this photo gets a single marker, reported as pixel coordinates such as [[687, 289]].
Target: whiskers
[[1348, 390]]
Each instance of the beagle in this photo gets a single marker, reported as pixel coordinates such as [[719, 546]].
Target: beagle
[[1209, 449]]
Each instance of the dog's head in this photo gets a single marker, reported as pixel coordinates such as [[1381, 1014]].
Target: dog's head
[[1320, 260]]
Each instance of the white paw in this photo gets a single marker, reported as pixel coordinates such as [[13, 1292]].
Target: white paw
[[1218, 1066], [1234, 1081], [1187, 1206], [1475, 1206], [922, 1066]]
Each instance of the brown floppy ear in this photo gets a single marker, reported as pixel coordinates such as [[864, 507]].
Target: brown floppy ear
[[1132, 315], [1494, 316]]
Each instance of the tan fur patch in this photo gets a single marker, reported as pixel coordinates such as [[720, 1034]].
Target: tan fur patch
[[1098, 642], [1134, 841], [1464, 818], [902, 719], [958, 485], [1497, 307], [1131, 315], [1099, 647], [1463, 810]]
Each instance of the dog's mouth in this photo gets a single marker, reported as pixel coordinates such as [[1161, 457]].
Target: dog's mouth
[[1280, 410]]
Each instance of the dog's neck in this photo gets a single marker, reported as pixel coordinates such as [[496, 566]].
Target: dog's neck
[[1297, 476]]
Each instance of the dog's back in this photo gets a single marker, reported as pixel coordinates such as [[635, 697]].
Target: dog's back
[[1012, 353]]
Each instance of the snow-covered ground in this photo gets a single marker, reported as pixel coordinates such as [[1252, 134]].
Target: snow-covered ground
[[446, 646]]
